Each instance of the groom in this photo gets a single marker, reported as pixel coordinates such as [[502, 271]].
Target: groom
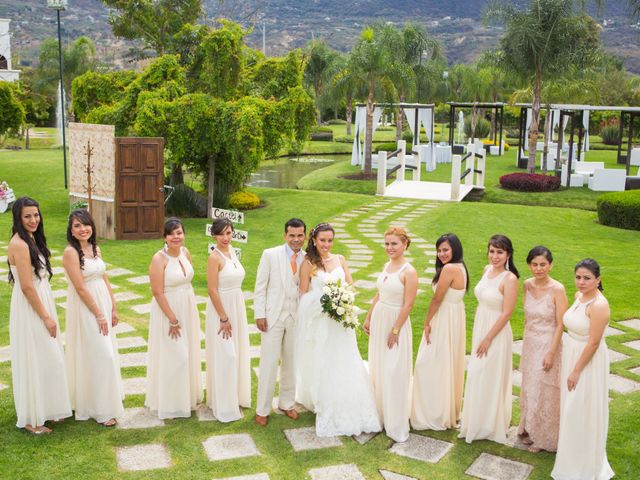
[[275, 305]]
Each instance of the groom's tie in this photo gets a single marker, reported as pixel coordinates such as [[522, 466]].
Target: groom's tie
[[294, 263]]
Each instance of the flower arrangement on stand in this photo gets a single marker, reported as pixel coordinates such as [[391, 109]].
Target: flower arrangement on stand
[[6, 196], [337, 302]]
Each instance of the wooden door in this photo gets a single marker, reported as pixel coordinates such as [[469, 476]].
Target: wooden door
[[139, 190]]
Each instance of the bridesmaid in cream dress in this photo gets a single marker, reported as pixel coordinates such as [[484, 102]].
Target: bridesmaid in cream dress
[[40, 391], [584, 405], [439, 373], [174, 385], [93, 366], [391, 341], [227, 335], [486, 411], [545, 302]]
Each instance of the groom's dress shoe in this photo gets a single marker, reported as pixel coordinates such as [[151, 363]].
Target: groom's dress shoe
[[292, 414], [262, 421]]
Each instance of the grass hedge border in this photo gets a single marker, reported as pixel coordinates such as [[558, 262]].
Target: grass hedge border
[[620, 209]]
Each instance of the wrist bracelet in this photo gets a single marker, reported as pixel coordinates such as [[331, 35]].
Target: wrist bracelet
[[395, 331], [225, 320], [176, 324]]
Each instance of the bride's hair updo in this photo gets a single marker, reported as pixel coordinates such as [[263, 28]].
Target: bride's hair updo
[[312, 253]]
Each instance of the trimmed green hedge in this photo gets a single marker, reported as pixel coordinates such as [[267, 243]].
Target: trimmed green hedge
[[321, 134], [620, 209]]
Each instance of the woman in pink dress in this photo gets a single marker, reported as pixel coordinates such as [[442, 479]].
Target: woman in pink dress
[[545, 302]]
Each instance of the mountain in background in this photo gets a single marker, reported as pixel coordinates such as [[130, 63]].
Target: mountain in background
[[292, 23]]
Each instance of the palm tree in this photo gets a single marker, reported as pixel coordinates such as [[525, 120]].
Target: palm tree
[[318, 70], [542, 43]]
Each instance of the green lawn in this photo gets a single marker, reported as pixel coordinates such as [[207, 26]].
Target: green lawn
[[85, 449]]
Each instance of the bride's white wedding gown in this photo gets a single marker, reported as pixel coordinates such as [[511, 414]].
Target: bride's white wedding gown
[[331, 379]]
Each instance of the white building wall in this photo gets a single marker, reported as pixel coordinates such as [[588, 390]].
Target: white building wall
[[8, 75]]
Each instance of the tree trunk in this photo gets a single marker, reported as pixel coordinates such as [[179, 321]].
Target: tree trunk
[[474, 122], [399, 122], [177, 177], [547, 135], [349, 115], [211, 184], [318, 114], [368, 134], [535, 122], [26, 139]]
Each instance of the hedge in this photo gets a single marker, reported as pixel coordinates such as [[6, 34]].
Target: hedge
[[620, 209], [321, 133], [530, 182], [244, 200]]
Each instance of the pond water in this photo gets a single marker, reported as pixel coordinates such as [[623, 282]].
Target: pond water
[[285, 173]]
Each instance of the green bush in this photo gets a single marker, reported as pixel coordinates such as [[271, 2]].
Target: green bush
[[345, 139], [610, 134], [321, 133], [336, 121], [408, 137], [244, 200], [483, 128], [386, 146], [620, 209], [384, 128], [185, 202]]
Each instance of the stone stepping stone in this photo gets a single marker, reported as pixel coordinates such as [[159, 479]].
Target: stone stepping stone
[[254, 351], [251, 328], [134, 386], [131, 342], [387, 475], [338, 224], [372, 235], [62, 305], [634, 344], [302, 439], [513, 439], [432, 261], [418, 240], [419, 447], [135, 359], [57, 270], [635, 370], [59, 293], [351, 240], [366, 284], [126, 296], [492, 467], [424, 281], [362, 251], [118, 271], [3, 259], [5, 354], [370, 220], [143, 457], [254, 476], [364, 437], [297, 407], [139, 280], [354, 270], [354, 263], [631, 323], [622, 385], [123, 327], [336, 472], [516, 347], [200, 299], [430, 270], [138, 417], [374, 275], [516, 378], [610, 331], [226, 447], [616, 356], [142, 309], [431, 253], [366, 258], [3, 386], [350, 214], [204, 413], [256, 370], [342, 235]]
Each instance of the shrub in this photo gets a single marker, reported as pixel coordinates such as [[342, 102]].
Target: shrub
[[408, 137], [321, 133], [345, 139], [610, 134], [186, 202], [530, 182], [620, 209], [336, 121], [386, 146], [384, 128], [78, 205], [244, 200], [483, 127], [488, 141]]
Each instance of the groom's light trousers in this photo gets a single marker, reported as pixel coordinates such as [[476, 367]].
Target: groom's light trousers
[[277, 346]]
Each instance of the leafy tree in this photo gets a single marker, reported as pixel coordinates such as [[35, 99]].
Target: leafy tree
[[318, 70], [542, 43], [11, 111], [154, 22]]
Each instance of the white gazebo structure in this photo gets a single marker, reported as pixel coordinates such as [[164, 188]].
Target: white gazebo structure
[[7, 73]]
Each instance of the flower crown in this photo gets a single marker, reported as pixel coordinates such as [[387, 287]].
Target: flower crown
[[315, 229]]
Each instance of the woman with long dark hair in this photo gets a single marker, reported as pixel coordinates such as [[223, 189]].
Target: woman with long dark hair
[[486, 412], [174, 385], [227, 331], [545, 302], [40, 390], [584, 402], [331, 379], [438, 379], [93, 366]]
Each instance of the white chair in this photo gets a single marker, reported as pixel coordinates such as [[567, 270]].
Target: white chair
[[635, 157], [608, 180], [551, 160], [577, 180]]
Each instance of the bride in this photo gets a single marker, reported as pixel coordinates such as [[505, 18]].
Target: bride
[[331, 379]]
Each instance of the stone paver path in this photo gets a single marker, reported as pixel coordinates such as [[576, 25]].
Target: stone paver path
[[143, 457], [423, 448], [255, 476], [306, 439], [336, 472], [387, 475], [492, 467], [139, 417], [226, 447]]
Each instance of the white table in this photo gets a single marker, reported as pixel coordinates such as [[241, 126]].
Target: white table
[[443, 154]]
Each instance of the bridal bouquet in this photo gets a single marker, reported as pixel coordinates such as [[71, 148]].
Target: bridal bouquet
[[337, 302]]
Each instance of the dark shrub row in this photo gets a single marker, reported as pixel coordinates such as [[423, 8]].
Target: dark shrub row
[[620, 209], [530, 182]]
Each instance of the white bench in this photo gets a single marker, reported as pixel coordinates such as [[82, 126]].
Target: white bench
[[577, 180], [608, 180], [587, 168]]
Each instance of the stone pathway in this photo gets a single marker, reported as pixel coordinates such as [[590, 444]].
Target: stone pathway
[[143, 457]]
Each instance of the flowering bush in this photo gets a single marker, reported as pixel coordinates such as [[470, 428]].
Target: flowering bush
[[4, 188], [337, 302], [530, 182]]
